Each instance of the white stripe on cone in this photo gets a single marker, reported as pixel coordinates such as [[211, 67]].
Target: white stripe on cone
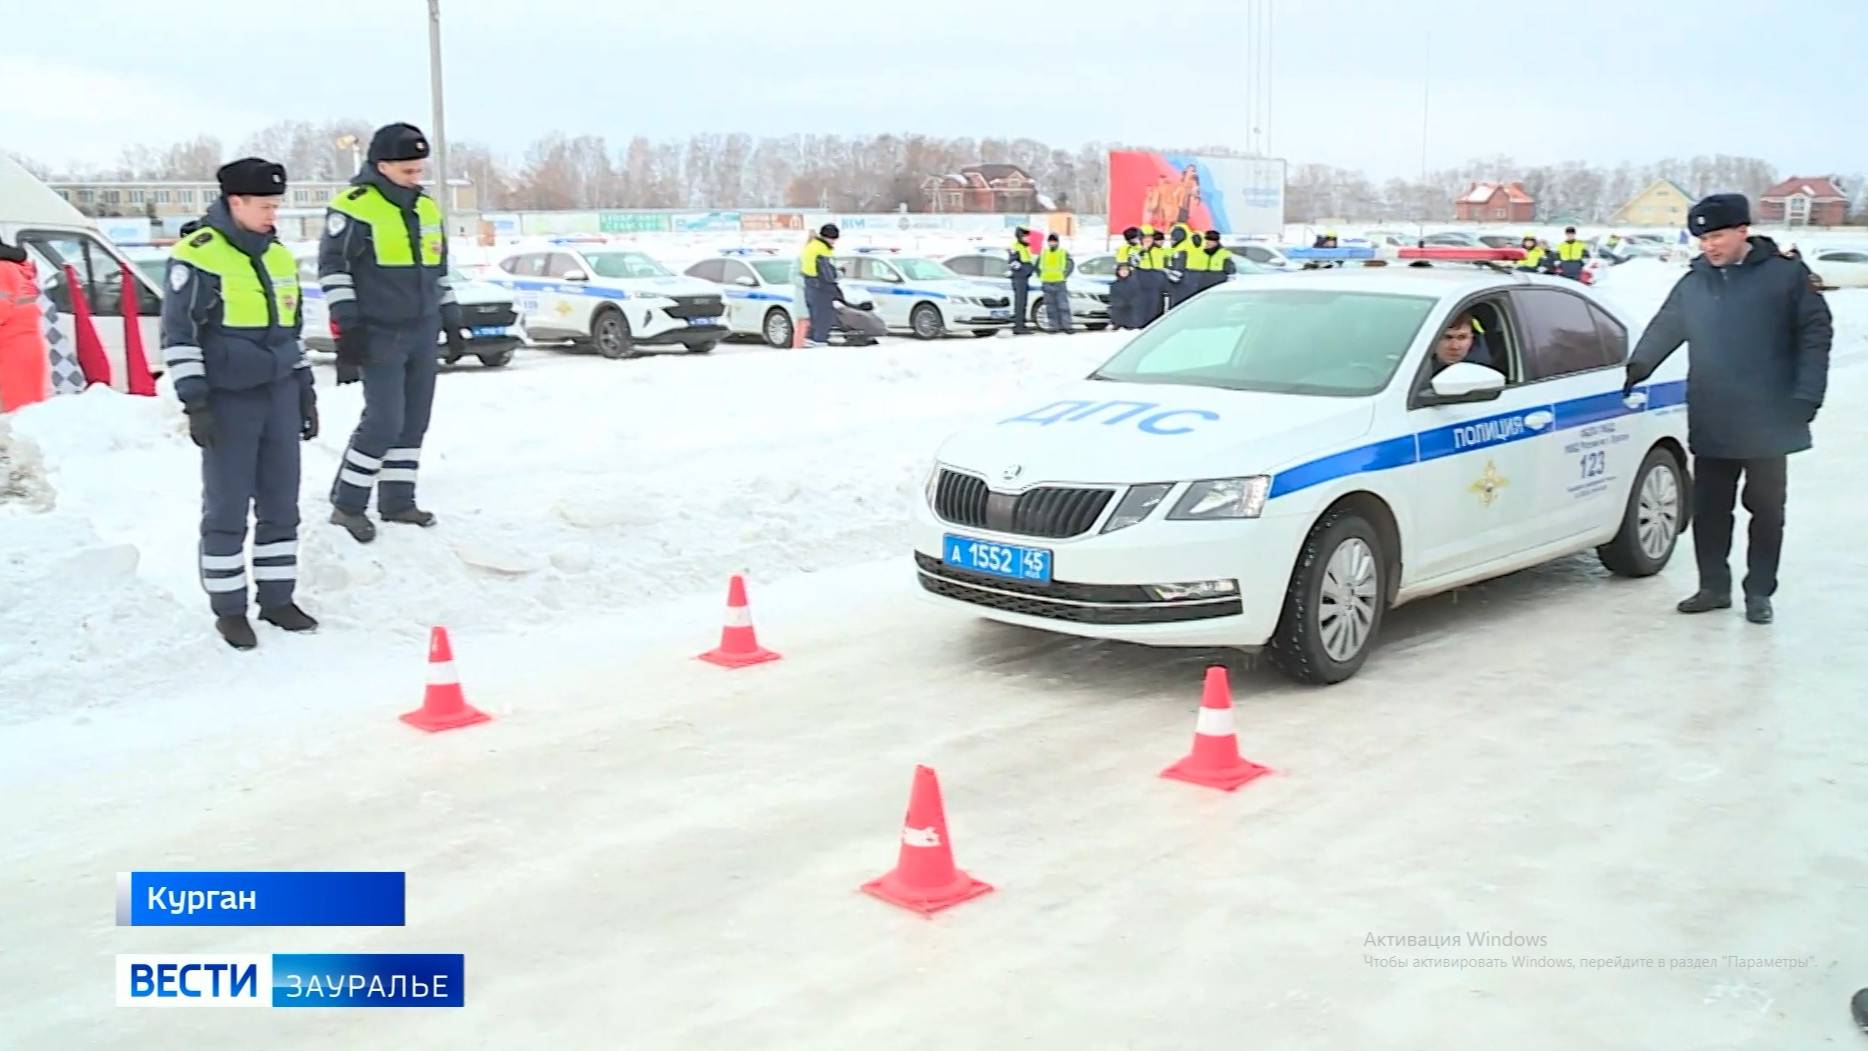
[[738, 617], [441, 673], [1214, 722]]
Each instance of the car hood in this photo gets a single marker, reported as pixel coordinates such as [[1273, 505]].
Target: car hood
[[1127, 433], [664, 286], [480, 293], [964, 286]]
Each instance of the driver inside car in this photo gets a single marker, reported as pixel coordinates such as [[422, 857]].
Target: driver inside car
[[1458, 342]]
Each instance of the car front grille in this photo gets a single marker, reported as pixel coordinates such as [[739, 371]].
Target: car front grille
[[481, 314], [1048, 511], [697, 306], [1101, 297], [1060, 600], [992, 302]]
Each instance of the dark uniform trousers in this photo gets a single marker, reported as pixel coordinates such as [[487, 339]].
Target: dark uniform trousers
[[252, 463], [1715, 490], [399, 371]]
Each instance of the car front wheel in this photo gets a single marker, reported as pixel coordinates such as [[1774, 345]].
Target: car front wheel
[[1651, 521], [610, 333], [1333, 608], [926, 322], [778, 329]]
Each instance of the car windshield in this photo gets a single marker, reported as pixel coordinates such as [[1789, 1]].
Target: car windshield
[[1279, 341], [625, 264], [774, 271], [923, 270], [1098, 266]]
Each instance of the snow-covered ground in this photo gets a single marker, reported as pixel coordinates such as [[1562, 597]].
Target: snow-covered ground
[[644, 851]]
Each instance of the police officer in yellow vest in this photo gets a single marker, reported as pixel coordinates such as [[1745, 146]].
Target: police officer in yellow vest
[[1022, 264], [1209, 265], [1570, 255], [1054, 269], [383, 264], [230, 338], [817, 270], [1150, 262], [1533, 254]]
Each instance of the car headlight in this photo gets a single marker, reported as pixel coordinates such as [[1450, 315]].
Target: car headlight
[[932, 485], [1223, 498], [1081, 295], [1137, 505]]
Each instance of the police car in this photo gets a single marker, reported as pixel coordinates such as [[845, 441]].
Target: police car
[[1279, 461], [614, 299], [922, 296], [1089, 296], [486, 310], [757, 285]]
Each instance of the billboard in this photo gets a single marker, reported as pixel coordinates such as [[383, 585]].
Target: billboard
[[1234, 195], [762, 222], [631, 223], [705, 222]]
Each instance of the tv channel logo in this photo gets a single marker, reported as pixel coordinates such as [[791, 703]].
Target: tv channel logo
[[194, 980]]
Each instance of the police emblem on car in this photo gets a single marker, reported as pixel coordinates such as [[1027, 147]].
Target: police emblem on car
[[1011, 472]]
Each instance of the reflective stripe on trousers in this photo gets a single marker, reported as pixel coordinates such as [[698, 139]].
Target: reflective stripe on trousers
[[398, 394], [252, 467]]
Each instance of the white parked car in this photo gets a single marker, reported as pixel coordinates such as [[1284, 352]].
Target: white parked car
[[1277, 463], [923, 297], [1842, 266], [486, 310], [758, 287], [1089, 295], [616, 300]]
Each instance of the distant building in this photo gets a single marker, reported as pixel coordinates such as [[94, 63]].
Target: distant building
[[982, 188], [1662, 204], [1802, 201], [1495, 202], [159, 199]]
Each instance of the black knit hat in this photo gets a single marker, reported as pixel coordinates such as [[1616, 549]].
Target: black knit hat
[[1131, 233], [1721, 211], [251, 177], [1213, 235], [829, 232], [398, 142]]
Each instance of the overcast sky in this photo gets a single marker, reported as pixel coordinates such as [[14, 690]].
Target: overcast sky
[[1631, 80]]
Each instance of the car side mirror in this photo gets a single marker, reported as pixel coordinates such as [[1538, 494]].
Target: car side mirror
[[575, 275], [1463, 383], [747, 281]]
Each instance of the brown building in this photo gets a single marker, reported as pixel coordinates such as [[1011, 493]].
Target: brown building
[[982, 188], [1495, 202], [1798, 201]]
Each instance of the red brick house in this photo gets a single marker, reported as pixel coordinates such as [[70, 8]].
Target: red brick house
[[1495, 202], [1798, 201], [982, 188]]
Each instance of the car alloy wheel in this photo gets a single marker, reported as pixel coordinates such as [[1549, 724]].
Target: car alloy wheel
[[1346, 610], [1657, 515]]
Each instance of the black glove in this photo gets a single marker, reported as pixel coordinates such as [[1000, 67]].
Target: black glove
[[1635, 374], [347, 374], [201, 426], [307, 414], [457, 344], [350, 346]]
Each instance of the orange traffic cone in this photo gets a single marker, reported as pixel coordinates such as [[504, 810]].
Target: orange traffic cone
[[924, 878], [739, 644], [444, 707], [1215, 760], [800, 333], [135, 361]]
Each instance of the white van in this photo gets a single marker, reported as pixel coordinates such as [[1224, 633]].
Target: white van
[[54, 235]]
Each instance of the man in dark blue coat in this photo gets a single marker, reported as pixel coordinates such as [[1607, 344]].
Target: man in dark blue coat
[[1759, 363]]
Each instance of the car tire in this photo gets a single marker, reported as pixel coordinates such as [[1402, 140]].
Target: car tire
[[499, 359], [778, 329], [926, 322], [609, 333], [985, 333], [1320, 638], [703, 348], [1651, 522], [1040, 317]]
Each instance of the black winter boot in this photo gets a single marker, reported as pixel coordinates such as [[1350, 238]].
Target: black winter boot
[[289, 618], [409, 516], [237, 632], [1704, 602], [359, 526], [1758, 610]]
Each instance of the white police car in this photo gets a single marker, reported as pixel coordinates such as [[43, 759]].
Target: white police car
[[922, 296], [614, 299], [1089, 296], [1277, 462], [757, 285], [487, 311]]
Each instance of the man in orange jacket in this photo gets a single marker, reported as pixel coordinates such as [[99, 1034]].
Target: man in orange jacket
[[24, 368]]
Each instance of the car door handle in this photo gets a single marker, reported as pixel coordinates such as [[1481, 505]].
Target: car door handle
[[1636, 399]]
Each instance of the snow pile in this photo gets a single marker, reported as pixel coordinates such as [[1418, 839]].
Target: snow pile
[[565, 484]]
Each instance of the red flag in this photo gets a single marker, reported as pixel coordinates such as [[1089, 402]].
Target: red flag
[[134, 360], [90, 349]]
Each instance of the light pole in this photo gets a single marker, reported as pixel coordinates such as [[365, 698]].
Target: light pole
[[441, 130]]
